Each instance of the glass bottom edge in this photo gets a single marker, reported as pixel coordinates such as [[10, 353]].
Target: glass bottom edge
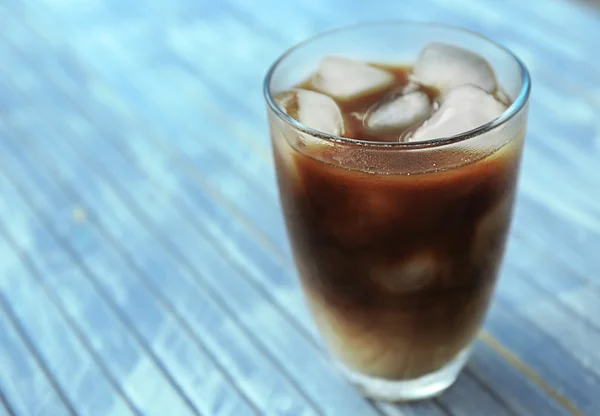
[[420, 388]]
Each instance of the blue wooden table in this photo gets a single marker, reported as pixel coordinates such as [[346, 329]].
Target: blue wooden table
[[144, 265]]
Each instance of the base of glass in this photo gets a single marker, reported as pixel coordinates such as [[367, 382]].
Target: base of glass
[[423, 387]]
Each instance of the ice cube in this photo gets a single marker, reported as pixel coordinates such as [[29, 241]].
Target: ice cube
[[444, 66], [346, 79], [490, 233], [313, 109], [398, 112], [461, 109], [411, 274]]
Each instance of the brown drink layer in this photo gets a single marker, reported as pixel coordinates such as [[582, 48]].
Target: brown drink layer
[[397, 269]]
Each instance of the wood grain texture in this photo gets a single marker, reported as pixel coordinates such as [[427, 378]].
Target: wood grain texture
[[145, 266]]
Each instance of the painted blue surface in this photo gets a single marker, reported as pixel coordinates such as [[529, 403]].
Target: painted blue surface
[[145, 268]]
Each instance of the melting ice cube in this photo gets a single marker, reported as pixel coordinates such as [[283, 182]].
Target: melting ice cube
[[346, 79], [461, 109], [398, 112], [413, 273], [444, 66], [314, 110]]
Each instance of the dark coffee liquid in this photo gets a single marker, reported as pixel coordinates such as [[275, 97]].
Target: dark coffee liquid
[[397, 269]]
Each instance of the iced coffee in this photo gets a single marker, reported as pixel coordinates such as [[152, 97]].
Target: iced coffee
[[397, 183]]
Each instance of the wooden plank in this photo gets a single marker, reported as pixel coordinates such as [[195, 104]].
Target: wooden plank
[[555, 279], [170, 343], [428, 407], [573, 334], [572, 241], [23, 375], [553, 49], [535, 348], [111, 340], [542, 269], [567, 19], [210, 154], [564, 325], [548, 152], [584, 301], [85, 385], [520, 394], [5, 409], [461, 400]]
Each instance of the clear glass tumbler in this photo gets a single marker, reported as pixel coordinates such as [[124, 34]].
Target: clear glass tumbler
[[397, 245]]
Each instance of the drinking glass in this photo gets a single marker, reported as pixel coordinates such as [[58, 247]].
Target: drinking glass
[[397, 245]]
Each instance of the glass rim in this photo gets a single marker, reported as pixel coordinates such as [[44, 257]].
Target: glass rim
[[514, 108]]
